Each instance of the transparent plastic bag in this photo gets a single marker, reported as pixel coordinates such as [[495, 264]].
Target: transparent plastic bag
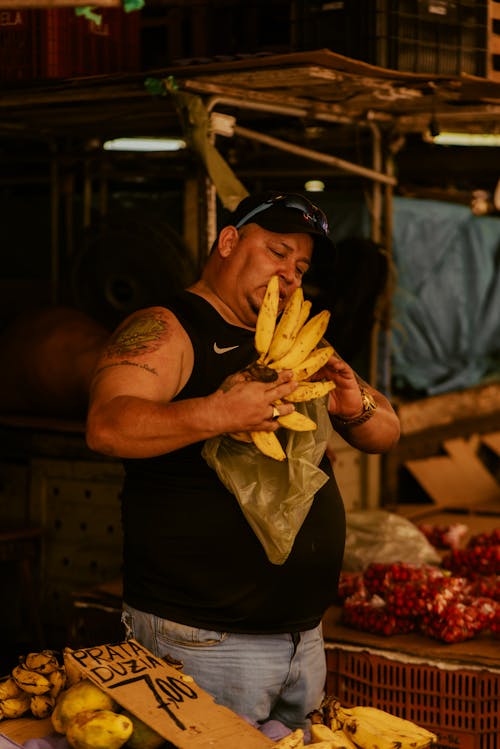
[[381, 536], [275, 496]]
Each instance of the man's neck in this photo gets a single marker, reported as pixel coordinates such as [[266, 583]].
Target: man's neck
[[204, 289]]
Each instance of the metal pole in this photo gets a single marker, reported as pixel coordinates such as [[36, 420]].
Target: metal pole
[[54, 226], [314, 155]]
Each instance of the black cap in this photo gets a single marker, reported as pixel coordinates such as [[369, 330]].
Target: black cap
[[284, 213]]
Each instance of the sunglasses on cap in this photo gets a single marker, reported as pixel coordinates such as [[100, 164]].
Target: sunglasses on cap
[[313, 215]]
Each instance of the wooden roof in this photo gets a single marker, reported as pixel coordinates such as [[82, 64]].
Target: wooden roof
[[319, 84]]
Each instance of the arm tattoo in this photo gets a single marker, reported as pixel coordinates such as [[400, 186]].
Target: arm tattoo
[[129, 364], [142, 335]]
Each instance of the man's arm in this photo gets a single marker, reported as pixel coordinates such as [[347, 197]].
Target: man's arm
[[144, 365], [378, 433]]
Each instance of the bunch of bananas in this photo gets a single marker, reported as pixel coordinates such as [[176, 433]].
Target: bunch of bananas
[[322, 737], [32, 686], [292, 342], [361, 727]]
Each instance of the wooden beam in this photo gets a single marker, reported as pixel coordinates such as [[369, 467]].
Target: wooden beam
[[41, 4]]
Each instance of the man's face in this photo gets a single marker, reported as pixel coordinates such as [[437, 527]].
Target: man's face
[[259, 254]]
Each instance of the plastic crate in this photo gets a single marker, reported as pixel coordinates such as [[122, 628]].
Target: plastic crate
[[72, 45], [55, 28], [18, 41], [431, 36], [493, 68], [462, 706], [419, 36], [113, 46]]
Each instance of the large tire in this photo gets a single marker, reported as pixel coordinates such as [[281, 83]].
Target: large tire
[[125, 264]]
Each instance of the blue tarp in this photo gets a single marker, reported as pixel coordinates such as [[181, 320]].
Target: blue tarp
[[446, 316], [446, 306]]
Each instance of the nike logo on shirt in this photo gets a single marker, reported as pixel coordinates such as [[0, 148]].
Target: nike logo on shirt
[[220, 350]]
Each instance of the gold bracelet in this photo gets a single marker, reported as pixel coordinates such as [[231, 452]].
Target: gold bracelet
[[369, 408]]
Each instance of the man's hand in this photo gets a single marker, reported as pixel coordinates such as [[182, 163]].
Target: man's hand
[[345, 398], [377, 434], [247, 404]]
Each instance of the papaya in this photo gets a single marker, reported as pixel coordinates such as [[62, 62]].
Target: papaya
[[84, 695], [98, 729], [143, 736]]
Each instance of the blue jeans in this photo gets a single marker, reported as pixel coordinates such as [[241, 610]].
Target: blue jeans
[[260, 677]]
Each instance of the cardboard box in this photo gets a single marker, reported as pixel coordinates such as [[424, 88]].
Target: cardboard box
[[169, 701], [457, 479], [6, 743]]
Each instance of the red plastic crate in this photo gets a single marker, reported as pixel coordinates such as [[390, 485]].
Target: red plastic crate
[[18, 41], [72, 46], [113, 46], [462, 706], [494, 40], [56, 32]]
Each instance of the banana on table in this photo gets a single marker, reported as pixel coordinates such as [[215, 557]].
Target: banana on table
[[361, 727], [32, 687], [290, 343]]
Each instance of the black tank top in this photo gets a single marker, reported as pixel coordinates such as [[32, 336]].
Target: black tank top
[[189, 553]]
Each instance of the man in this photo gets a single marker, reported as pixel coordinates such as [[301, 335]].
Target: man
[[198, 585]]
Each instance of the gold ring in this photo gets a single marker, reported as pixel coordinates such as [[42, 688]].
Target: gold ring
[[276, 413]]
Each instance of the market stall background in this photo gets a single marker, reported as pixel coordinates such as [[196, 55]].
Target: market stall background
[[83, 227]]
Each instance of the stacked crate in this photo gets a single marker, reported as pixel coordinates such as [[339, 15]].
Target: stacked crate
[[77, 502], [72, 45], [420, 36], [431, 36], [460, 705], [494, 40], [18, 44], [58, 43], [193, 31]]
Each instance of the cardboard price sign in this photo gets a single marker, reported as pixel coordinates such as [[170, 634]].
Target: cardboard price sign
[[167, 700]]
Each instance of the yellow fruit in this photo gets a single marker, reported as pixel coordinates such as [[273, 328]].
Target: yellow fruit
[[84, 695], [241, 436], [98, 729], [287, 327], [304, 314], [44, 662], [143, 736], [41, 705], [323, 737], [269, 444], [389, 721], [320, 732], [9, 688], [369, 726], [339, 741], [266, 320], [57, 682], [308, 391], [15, 707], [297, 422], [289, 343], [294, 740], [30, 681], [317, 359], [307, 340], [73, 673]]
